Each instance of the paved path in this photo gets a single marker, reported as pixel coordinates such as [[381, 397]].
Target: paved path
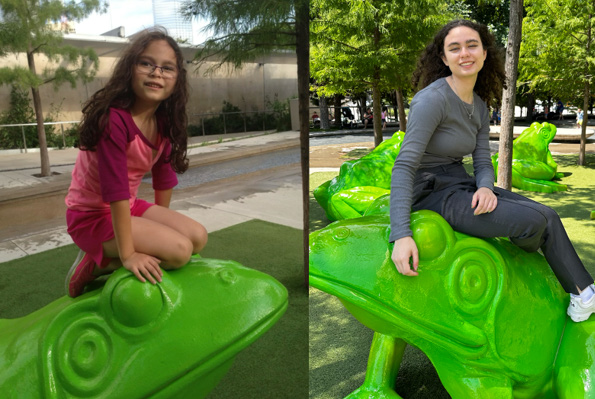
[[272, 194]]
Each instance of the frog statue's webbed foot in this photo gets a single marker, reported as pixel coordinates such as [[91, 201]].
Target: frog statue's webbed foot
[[353, 202], [540, 186], [385, 358]]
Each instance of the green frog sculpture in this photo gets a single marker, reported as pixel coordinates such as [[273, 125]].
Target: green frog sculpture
[[489, 316], [533, 167], [360, 181], [175, 339]]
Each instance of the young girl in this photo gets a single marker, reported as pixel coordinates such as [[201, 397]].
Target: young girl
[[135, 124], [461, 73]]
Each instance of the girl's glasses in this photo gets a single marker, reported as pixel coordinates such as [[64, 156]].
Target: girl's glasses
[[167, 72]]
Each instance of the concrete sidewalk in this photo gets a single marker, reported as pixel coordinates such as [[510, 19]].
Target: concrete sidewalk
[[272, 195]]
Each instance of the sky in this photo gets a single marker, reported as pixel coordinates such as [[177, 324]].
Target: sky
[[134, 15]]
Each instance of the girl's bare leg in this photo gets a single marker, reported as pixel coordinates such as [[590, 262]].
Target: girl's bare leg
[[164, 234]]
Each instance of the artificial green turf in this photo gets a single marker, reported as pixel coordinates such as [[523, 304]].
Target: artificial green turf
[[275, 366], [339, 344]]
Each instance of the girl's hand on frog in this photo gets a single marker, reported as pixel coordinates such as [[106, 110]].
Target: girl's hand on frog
[[145, 267], [405, 256], [484, 201]]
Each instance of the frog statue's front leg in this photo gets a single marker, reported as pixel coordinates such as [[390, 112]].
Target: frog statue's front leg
[[385, 358], [352, 203]]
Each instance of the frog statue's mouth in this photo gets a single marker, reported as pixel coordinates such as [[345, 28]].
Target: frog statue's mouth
[[206, 374], [383, 316]]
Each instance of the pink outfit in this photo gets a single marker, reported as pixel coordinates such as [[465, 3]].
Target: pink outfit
[[113, 173]]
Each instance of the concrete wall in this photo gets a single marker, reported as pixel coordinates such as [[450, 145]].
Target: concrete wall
[[265, 79]]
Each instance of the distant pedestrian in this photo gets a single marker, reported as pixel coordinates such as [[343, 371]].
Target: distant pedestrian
[[368, 116], [560, 110], [134, 125], [384, 115], [579, 118]]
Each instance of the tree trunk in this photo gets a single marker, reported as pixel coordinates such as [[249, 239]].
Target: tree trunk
[[508, 96], [401, 106], [337, 112], [303, 71], [530, 106], [324, 124], [376, 111], [583, 145], [376, 99], [43, 145]]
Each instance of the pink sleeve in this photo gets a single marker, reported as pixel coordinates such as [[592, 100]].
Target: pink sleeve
[[162, 172], [112, 163]]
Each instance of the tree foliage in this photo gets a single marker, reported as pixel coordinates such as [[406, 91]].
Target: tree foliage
[[371, 44], [558, 52], [24, 30], [244, 29], [557, 49]]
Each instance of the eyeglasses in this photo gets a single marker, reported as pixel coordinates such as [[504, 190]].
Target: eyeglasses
[[167, 72]]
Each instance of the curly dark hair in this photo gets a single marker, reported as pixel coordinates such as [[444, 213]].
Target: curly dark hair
[[118, 93], [490, 80]]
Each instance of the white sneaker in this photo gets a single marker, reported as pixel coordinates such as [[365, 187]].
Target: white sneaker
[[579, 310]]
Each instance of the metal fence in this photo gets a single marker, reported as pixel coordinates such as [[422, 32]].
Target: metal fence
[[209, 123], [23, 125]]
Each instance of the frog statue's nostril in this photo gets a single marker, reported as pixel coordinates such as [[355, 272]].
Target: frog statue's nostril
[[227, 276]]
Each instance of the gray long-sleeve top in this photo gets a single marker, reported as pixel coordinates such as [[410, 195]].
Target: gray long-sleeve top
[[439, 132]]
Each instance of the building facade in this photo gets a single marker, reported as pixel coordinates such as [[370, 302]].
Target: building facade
[[250, 88]]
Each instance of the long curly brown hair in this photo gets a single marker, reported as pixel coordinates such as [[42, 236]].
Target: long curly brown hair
[[490, 80], [118, 93]]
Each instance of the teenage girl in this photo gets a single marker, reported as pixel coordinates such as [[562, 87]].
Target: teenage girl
[[461, 73], [134, 125]]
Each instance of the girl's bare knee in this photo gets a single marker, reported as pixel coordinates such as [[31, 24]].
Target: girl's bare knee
[[199, 239], [180, 255]]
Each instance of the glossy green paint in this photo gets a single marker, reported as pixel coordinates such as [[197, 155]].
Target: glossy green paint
[[360, 181], [488, 315], [533, 167], [130, 339]]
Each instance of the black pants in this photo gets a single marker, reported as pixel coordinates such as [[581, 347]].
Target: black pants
[[448, 190]]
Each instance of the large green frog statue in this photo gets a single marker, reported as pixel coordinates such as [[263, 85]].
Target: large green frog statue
[[533, 167], [490, 317], [360, 181], [175, 339]]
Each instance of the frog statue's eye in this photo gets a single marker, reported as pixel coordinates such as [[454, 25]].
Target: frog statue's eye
[[135, 308], [136, 304], [473, 280], [547, 132]]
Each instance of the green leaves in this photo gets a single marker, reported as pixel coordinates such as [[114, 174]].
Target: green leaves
[[356, 44], [557, 51], [243, 29]]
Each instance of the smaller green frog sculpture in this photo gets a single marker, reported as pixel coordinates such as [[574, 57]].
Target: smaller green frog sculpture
[[360, 181], [533, 167], [175, 339], [489, 316]]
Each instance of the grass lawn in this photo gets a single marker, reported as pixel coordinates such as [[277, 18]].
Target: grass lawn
[[339, 344]]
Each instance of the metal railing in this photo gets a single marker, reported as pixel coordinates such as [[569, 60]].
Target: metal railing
[[236, 121], [23, 125], [392, 113]]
